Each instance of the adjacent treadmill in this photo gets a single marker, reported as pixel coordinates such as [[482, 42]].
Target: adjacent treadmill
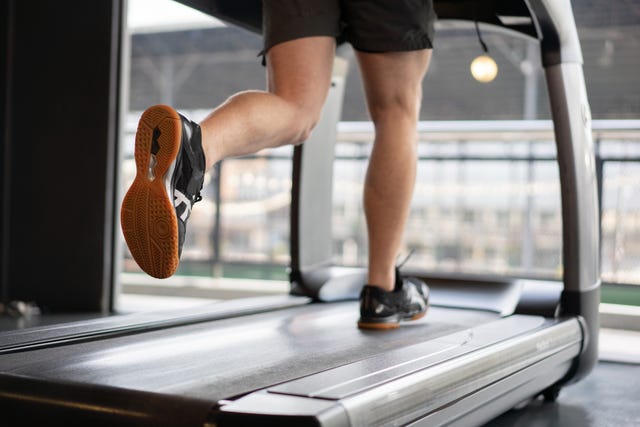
[[298, 359]]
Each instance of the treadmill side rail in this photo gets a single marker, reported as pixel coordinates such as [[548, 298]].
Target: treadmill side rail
[[467, 365], [409, 398], [103, 328], [27, 401], [484, 405]]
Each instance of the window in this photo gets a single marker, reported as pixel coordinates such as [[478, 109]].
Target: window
[[487, 197]]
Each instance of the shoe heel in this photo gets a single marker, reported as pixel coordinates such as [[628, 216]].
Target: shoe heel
[[159, 132]]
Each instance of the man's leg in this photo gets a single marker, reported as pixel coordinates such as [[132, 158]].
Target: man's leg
[[299, 75], [172, 153], [393, 86]]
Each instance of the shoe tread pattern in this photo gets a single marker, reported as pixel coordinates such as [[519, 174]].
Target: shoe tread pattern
[[148, 217]]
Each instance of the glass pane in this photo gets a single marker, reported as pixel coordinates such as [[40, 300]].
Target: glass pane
[[256, 199], [484, 216], [621, 222]]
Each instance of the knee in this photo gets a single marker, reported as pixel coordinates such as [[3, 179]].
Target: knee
[[302, 124], [401, 106], [306, 129]]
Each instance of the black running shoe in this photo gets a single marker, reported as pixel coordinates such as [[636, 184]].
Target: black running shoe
[[170, 169], [380, 309]]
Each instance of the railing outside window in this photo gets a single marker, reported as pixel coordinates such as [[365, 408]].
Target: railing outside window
[[487, 201]]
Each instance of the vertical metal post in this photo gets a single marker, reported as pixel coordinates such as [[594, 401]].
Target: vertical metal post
[[600, 178], [562, 60], [530, 112], [217, 265]]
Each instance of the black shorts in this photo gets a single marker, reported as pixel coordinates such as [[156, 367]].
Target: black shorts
[[368, 25]]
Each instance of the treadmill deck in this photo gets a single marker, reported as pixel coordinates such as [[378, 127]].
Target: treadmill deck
[[225, 358]]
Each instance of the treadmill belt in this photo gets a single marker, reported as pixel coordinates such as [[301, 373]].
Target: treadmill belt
[[231, 357]]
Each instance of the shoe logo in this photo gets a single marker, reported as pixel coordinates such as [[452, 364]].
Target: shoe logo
[[179, 199], [379, 308]]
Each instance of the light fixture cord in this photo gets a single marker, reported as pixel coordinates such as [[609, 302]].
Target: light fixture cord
[[482, 43]]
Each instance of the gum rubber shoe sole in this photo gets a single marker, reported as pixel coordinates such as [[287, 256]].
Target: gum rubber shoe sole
[[148, 217], [389, 325]]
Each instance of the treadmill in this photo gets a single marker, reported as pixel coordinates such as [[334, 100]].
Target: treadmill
[[485, 346]]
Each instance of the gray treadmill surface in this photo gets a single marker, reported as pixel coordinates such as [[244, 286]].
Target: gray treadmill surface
[[225, 358]]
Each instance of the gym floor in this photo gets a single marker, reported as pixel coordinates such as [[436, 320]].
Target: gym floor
[[607, 397]]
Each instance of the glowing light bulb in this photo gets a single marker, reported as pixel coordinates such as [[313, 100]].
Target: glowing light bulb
[[484, 69]]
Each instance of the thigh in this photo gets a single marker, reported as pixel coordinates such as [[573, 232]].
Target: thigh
[[300, 70], [393, 78]]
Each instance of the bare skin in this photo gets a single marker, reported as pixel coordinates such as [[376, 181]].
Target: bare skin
[[393, 86], [298, 83], [250, 121]]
